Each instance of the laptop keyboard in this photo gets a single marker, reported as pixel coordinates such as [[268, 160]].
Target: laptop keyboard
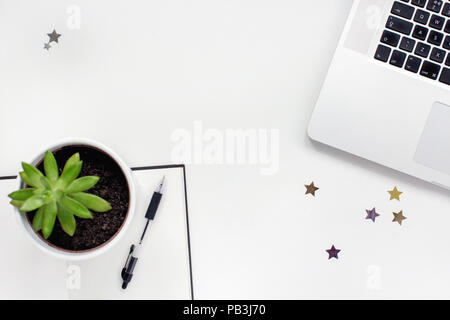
[[417, 38]]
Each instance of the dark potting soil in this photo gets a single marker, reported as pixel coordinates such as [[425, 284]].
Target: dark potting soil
[[112, 187]]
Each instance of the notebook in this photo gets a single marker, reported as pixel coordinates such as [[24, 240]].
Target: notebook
[[163, 270]]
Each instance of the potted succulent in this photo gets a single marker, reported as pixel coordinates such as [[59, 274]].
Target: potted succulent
[[76, 200]]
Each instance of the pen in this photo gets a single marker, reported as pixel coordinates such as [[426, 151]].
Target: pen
[[133, 254]]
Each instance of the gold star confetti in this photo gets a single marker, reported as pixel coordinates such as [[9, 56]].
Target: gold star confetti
[[395, 194], [398, 217], [311, 189]]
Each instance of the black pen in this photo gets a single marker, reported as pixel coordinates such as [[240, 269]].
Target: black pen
[[133, 255]]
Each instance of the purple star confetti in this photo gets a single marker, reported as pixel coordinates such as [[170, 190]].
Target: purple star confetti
[[372, 214], [333, 252]]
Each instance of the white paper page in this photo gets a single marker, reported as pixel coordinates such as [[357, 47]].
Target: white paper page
[[27, 272], [162, 271]]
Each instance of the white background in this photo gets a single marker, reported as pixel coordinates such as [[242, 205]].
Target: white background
[[138, 70]]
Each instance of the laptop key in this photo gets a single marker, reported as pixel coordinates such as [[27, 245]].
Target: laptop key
[[399, 25], [435, 38], [382, 53], [422, 16], [413, 64], [402, 10], [447, 27], [407, 44], [420, 32], [430, 70], [437, 22], [445, 76], [390, 38], [422, 49], [435, 5], [437, 55], [419, 3], [446, 43], [446, 10], [398, 58], [447, 61]]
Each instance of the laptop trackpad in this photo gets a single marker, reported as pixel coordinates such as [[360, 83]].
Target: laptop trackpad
[[433, 150]]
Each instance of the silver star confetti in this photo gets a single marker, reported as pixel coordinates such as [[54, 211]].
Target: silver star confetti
[[53, 36]]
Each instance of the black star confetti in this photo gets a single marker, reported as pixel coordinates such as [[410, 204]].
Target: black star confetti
[[53, 36], [333, 252], [47, 46]]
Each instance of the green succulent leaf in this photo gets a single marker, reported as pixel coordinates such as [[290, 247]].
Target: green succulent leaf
[[32, 203], [74, 159], [69, 174], [22, 194], [48, 220], [76, 208], [33, 175], [25, 178], [16, 203], [91, 201], [50, 166], [38, 191], [67, 220], [82, 184], [37, 220], [46, 183]]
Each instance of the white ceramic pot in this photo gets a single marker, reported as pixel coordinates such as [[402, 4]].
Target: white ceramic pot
[[85, 254]]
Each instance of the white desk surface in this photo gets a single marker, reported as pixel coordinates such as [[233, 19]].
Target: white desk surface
[[151, 67]]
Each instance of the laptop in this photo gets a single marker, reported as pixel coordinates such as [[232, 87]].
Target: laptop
[[386, 97]]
